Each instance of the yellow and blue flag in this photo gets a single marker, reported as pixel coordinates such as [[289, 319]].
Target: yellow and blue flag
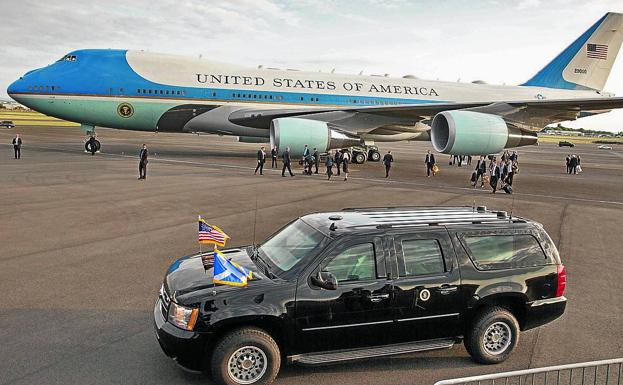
[[229, 273]]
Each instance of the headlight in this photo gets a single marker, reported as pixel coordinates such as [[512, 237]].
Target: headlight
[[183, 317]]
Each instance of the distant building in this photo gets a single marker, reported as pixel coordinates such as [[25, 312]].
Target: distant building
[[11, 105]]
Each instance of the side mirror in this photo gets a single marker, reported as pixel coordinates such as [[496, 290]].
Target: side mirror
[[325, 280]]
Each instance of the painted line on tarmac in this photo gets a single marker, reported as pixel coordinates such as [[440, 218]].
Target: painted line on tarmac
[[374, 180]]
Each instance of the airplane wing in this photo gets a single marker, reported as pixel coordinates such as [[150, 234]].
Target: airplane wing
[[530, 115]]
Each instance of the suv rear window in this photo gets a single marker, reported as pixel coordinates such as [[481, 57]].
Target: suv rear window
[[502, 251]]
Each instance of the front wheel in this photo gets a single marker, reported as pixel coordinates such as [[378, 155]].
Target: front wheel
[[493, 336], [246, 356]]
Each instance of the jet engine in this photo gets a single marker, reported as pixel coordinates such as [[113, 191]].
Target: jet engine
[[296, 133], [475, 133]]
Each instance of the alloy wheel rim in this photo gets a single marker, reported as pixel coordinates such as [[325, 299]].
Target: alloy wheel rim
[[247, 365], [497, 338]]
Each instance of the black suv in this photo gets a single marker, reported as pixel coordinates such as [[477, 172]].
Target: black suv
[[363, 283], [7, 124], [564, 143]]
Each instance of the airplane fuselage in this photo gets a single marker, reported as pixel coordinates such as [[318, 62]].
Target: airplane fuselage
[[137, 90]]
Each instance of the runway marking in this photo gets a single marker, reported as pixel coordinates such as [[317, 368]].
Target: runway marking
[[378, 181]]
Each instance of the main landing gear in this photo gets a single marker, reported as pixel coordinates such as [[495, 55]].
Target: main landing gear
[[363, 153]]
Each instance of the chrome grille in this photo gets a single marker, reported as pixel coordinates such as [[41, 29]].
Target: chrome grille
[[165, 300]]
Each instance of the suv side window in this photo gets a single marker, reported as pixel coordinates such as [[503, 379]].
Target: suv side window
[[504, 251], [421, 257], [356, 263]]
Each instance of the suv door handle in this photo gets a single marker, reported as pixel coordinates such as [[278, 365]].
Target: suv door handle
[[378, 297], [447, 289]]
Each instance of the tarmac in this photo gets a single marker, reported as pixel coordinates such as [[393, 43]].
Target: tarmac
[[85, 246]]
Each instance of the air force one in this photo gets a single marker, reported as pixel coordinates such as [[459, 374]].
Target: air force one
[[136, 90]]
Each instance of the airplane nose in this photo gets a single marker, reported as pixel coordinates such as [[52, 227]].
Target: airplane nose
[[14, 88]]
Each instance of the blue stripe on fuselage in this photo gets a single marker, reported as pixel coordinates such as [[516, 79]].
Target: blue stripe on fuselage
[[107, 73]]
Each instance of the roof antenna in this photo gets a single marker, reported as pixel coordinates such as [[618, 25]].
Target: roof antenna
[[510, 218], [255, 221]]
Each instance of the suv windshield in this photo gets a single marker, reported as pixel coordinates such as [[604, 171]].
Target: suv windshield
[[294, 243]]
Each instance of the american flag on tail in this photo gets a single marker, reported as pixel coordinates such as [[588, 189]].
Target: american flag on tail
[[597, 51]]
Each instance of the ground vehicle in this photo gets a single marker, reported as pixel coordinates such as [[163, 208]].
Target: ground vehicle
[[604, 147], [564, 143], [7, 124], [361, 283]]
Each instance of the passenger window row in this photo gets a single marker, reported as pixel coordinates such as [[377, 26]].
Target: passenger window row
[[44, 88], [159, 92]]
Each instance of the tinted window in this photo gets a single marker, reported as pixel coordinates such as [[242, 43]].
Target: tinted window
[[505, 251], [422, 257], [356, 263]]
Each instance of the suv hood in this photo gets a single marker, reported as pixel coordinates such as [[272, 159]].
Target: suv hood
[[187, 274]]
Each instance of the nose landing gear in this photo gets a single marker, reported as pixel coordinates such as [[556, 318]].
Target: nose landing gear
[[92, 145]]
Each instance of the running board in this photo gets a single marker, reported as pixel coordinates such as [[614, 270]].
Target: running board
[[378, 351]]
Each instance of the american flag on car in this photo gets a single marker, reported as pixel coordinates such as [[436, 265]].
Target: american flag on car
[[211, 234]]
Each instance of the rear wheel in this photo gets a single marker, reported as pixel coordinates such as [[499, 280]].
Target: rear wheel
[[246, 356], [493, 336]]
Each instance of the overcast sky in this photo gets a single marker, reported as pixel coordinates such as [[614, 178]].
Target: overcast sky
[[498, 41]]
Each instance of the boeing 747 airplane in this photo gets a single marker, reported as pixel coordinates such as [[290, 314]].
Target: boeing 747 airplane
[[136, 90]]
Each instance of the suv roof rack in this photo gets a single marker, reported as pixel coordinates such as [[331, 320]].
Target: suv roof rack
[[411, 216]]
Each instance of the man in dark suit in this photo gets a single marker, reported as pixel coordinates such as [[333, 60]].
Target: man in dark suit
[[273, 155], [286, 162], [429, 161], [481, 169], [17, 146], [261, 159], [337, 159], [142, 162], [316, 156], [495, 176], [388, 159]]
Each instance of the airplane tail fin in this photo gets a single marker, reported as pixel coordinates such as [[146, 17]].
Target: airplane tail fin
[[587, 62]]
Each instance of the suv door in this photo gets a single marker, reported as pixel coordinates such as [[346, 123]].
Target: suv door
[[428, 298], [359, 312]]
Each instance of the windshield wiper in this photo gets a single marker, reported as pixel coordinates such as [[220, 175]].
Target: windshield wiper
[[255, 256]]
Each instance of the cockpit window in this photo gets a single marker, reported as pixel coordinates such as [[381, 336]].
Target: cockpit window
[[68, 58]]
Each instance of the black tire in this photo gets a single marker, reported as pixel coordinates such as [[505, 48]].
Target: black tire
[[360, 158], [496, 322], [98, 145], [375, 156], [234, 343]]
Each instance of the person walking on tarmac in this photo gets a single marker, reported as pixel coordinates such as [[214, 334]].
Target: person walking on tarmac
[[337, 159], [316, 156], [388, 159], [142, 162], [329, 164], [273, 156], [261, 159], [481, 171], [286, 162], [494, 169], [17, 146], [345, 162], [429, 161]]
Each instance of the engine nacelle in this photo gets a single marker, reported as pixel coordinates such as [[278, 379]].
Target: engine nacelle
[[475, 133], [296, 133]]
